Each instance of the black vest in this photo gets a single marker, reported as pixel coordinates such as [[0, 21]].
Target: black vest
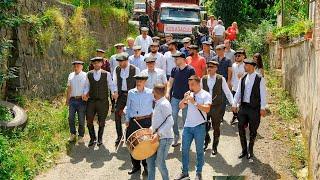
[[217, 91], [255, 99], [98, 89], [131, 81]]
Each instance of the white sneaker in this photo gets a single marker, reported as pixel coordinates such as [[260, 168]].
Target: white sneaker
[[72, 138], [80, 140], [175, 141]]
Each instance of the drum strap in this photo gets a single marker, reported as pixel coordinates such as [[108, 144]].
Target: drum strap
[[162, 123]]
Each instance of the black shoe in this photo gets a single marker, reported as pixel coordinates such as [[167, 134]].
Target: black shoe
[[117, 141], [198, 176], [242, 155], [250, 156], [182, 177], [99, 143], [145, 171], [233, 121], [214, 152], [92, 142], [134, 170]]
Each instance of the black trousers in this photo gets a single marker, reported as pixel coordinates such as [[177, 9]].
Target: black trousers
[[251, 116], [121, 103], [234, 114], [214, 119], [133, 126]]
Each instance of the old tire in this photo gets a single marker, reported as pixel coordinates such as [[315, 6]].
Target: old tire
[[19, 119]]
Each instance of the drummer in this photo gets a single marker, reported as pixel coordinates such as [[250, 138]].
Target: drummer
[[139, 108]]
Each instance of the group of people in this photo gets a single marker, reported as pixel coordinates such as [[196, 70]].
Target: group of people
[[148, 83]]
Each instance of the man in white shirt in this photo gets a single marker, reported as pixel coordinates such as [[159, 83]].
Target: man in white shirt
[[76, 100], [100, 82], [199, 102], [113, 62], [143, 40], [154, 52], [217, 86], [162, 123], [251, 96], [137, 59], [155, 75], [170, 61], [218, 33], [237, 72]]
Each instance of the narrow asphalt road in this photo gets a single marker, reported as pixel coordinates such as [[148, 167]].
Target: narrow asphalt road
[[82, 162]]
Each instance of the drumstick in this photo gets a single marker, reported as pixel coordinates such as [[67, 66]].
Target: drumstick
[[121, 141], [137, 123]]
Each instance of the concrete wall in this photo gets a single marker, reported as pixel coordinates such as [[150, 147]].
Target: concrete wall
[[300, 64]]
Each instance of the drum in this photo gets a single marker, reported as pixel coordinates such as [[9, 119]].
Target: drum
[[139, 144]]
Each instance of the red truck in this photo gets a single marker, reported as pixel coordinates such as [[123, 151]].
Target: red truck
[[177, 17]]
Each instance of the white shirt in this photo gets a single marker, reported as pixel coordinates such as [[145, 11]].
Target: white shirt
[[158, 76], [160, 61], [219, 30], [250, 78], [237, 70], [194, 118], [143, 42], [161, 111], [230, 55], [138, 62], [113, 63], [78, 83], [212, 81], [97, 76], [124, 74], [170, 61]]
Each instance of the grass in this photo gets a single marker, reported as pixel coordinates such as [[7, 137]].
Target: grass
[[23, 154], [286, 127], [5, 114]]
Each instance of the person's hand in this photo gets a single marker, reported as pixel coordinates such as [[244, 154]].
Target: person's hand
[[84, 98], [263, 113], [234, 109], [115, 95], [127, 124], [168, 96], [229, 85], [240, 75], [155, 138]]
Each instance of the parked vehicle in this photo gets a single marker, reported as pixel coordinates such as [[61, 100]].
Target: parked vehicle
[[139, 8]]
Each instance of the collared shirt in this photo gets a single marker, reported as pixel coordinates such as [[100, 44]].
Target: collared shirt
[[78, 83], [160, 60], [129, 50], [139, 103], [143, 42], [208, 57], [237, 72], [138, 62], [249, 81], [219, 30], [124, 74], [158, 76], [170, 62], [161, 111], [212, 81], [97, 76], [194, 118], [113, 63], [230, 55]]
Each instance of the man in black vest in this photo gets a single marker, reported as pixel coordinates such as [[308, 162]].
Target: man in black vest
[[123, 78], [217, 86], [100, 83], [251, 96]]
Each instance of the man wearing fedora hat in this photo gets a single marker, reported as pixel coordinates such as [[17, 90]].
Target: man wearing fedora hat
[[137, 59], [138, 113], [164, 47], [123, 77], [113, 61], [100, 82], [217, 86], [144, 40], [106, 65], [154, 52], [76, 100], [206, 51], [155, 75], [251, 97]]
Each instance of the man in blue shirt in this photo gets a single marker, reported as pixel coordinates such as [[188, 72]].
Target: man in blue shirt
[[177, 86], [186, 43], [139, 108]]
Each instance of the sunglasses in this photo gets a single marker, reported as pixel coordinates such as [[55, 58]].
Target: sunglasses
[[211, 66], [238, 55]]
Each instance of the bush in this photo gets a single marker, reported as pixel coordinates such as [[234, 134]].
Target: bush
[[5, 114], [7, 164]]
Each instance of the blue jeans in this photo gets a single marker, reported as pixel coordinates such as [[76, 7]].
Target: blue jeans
[[159, 158], [175, 111], [77, 106], [198, 134]]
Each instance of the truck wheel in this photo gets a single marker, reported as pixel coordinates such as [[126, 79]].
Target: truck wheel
[[20, 117]]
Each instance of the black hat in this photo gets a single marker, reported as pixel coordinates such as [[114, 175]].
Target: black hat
[[206, 42], [250, 61], [241, 51], [221, 46], [186, 40], [119, 44], [150, 59], [172, 42], [154, 44], [179, 54], [193, 47], [77, 62], [122, 56], [137, 48], [96, 59], [100, 50], [140, 77]]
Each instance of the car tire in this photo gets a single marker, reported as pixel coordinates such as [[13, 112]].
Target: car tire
[[20, 117]]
